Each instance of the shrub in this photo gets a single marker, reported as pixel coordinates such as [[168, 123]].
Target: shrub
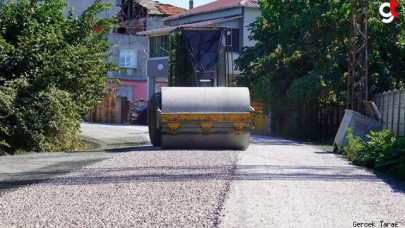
[[7, 110], [392, 161], [379, 143], [48, 121], [382, 152], [354, 147], [52, 70]]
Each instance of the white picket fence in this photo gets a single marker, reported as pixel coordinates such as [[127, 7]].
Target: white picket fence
[[391, 105]]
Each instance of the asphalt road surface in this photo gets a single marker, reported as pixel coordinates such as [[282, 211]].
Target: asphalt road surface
[[275, 183]]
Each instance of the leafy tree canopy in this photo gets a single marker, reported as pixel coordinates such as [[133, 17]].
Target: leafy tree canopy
[[300, 60], [52, 70]]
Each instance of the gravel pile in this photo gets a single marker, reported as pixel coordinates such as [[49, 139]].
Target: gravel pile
[[149, 188]]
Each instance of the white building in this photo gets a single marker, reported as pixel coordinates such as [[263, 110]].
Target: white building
[[236, 15]]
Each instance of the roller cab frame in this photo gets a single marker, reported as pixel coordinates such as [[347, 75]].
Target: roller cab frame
[[198, 110]]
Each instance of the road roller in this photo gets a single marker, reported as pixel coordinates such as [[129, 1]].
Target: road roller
[[198, 110]]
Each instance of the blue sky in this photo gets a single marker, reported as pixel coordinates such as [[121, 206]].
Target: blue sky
[[184, 3]]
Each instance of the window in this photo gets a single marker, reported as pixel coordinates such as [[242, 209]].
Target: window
[[126, 91], [128, 58], [118, 2], [159, 46], [232, 41]]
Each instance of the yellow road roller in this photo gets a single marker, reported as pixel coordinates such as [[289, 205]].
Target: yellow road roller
[[198, 110]]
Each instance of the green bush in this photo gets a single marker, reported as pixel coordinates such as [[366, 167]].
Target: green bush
[[354, 147], [392, 160], [49, 121], [52, 70], [379, 143], [382, 152], [7, 110], [298, 64]]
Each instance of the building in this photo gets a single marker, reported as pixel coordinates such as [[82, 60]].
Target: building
[[129, 51], [236, 15], [80, 6]]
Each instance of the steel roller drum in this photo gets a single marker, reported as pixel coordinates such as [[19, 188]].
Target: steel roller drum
[[205, 117]]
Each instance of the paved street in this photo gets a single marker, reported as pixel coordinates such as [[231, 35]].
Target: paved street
[[275, 183]]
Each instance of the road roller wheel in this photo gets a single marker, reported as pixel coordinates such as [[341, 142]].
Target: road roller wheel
[[155, 132], [205, 118]]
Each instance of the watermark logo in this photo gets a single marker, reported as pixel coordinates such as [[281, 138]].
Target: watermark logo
[[389, 16]]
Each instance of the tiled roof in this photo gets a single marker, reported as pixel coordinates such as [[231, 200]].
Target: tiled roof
[[215, 6], [156, 8], [168, 10], [149, 5], [250, 3]]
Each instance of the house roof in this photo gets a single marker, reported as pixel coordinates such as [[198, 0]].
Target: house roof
[[214, 6], [167, 9], [166, 30], [149, 5], [156, 8]]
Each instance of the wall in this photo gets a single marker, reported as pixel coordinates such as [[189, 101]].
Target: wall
[[139, 89], [250, 15], [154, 22], [123, 41], [139, 43], [391, 105], [80, 5]]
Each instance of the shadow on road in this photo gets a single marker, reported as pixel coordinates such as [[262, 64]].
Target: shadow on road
[[178, 173], [201, 173], [266, 140], [10, 181], [132, 149]]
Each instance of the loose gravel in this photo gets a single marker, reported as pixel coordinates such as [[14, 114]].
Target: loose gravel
[[279, 183], [16, 171], [20, 170], [275, 183], [144, 188]]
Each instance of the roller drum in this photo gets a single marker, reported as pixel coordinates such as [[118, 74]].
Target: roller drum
[[205, 99], [205, 118]]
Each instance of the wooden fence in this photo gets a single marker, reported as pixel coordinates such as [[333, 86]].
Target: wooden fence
[[391, 105], [328, 121]]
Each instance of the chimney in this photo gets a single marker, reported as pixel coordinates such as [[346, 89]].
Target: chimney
[[191, 5]]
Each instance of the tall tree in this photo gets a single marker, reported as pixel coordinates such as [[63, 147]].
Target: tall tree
[[52, 70], [300, 60]]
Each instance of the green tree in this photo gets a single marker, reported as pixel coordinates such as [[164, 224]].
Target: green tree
[[52, 70], [300, 60]]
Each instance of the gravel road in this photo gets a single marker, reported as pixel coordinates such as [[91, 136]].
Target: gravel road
[[143, 188], [275, 183], [20, 170], [279, 183]]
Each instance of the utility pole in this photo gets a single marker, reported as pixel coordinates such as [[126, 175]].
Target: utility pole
[[357, 82]]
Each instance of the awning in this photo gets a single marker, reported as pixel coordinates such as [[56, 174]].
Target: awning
[[166, 30]]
